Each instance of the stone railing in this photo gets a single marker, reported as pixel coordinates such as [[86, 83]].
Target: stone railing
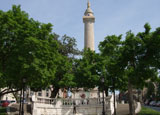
[[68, 106], [69, 101]]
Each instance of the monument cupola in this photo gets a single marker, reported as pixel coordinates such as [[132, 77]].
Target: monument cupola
[[88, 11]]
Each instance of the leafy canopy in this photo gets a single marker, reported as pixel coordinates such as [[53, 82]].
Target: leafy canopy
[[27, 50]]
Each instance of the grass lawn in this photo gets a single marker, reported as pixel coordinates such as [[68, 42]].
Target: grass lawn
[[2, 111], [148, 111]]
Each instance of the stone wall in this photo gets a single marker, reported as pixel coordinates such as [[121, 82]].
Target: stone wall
[[46, 109]]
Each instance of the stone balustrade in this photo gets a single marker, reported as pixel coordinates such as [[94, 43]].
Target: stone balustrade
[[68, 106]]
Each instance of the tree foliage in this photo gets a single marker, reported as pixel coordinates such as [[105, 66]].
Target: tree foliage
[[133, 60], [87, 70], [110, 50], [64, 76], [27, 50]]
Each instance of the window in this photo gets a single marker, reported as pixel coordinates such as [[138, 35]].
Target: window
[[31, 93], [47, 89], [39, 93], [47, 94]]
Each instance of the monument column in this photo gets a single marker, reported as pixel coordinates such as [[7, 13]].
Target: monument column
[[88, 20]]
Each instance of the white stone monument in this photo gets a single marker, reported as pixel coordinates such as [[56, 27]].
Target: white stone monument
[[88, 20]]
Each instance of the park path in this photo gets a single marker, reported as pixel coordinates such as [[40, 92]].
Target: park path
[[123, 109]]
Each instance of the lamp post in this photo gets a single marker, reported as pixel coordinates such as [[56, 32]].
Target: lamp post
[[24, 81], [139, 93], [20, 105], [113, 80], [103, 110]]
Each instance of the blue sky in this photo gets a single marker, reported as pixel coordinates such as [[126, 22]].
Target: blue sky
[[112, 16]]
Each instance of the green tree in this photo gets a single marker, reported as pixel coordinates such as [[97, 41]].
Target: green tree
[[133, 60], [93, 66], [64, 76], [27, 50], [68, 47], [110, 51], [150, 90], [86, 71], [138, 55]]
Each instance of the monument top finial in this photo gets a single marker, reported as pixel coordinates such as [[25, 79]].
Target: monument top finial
[[88, 4]]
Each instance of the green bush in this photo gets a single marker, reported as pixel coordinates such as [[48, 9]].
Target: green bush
[[2, 111]]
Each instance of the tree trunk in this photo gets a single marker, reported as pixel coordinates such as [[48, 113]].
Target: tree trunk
[[106, 91], [130, 99], [0, 94], [15, 94], [7, 91], [54, 92], [140, 98]]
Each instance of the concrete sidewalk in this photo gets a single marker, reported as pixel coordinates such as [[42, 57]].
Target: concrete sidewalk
[[123, 109]]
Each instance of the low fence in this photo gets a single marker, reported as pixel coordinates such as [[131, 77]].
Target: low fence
[[90, 106]]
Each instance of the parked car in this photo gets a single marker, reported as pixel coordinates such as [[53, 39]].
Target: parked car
[[5, 103], [152, 103], [2, 101], [147, 102], [158, 104], [12, 101]]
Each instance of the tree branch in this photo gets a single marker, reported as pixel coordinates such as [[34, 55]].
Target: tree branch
[[9, 91]]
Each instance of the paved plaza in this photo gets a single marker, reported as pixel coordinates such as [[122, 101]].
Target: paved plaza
[[123, 109]]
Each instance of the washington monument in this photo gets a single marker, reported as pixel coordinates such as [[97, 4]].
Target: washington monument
[[88, 20]]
